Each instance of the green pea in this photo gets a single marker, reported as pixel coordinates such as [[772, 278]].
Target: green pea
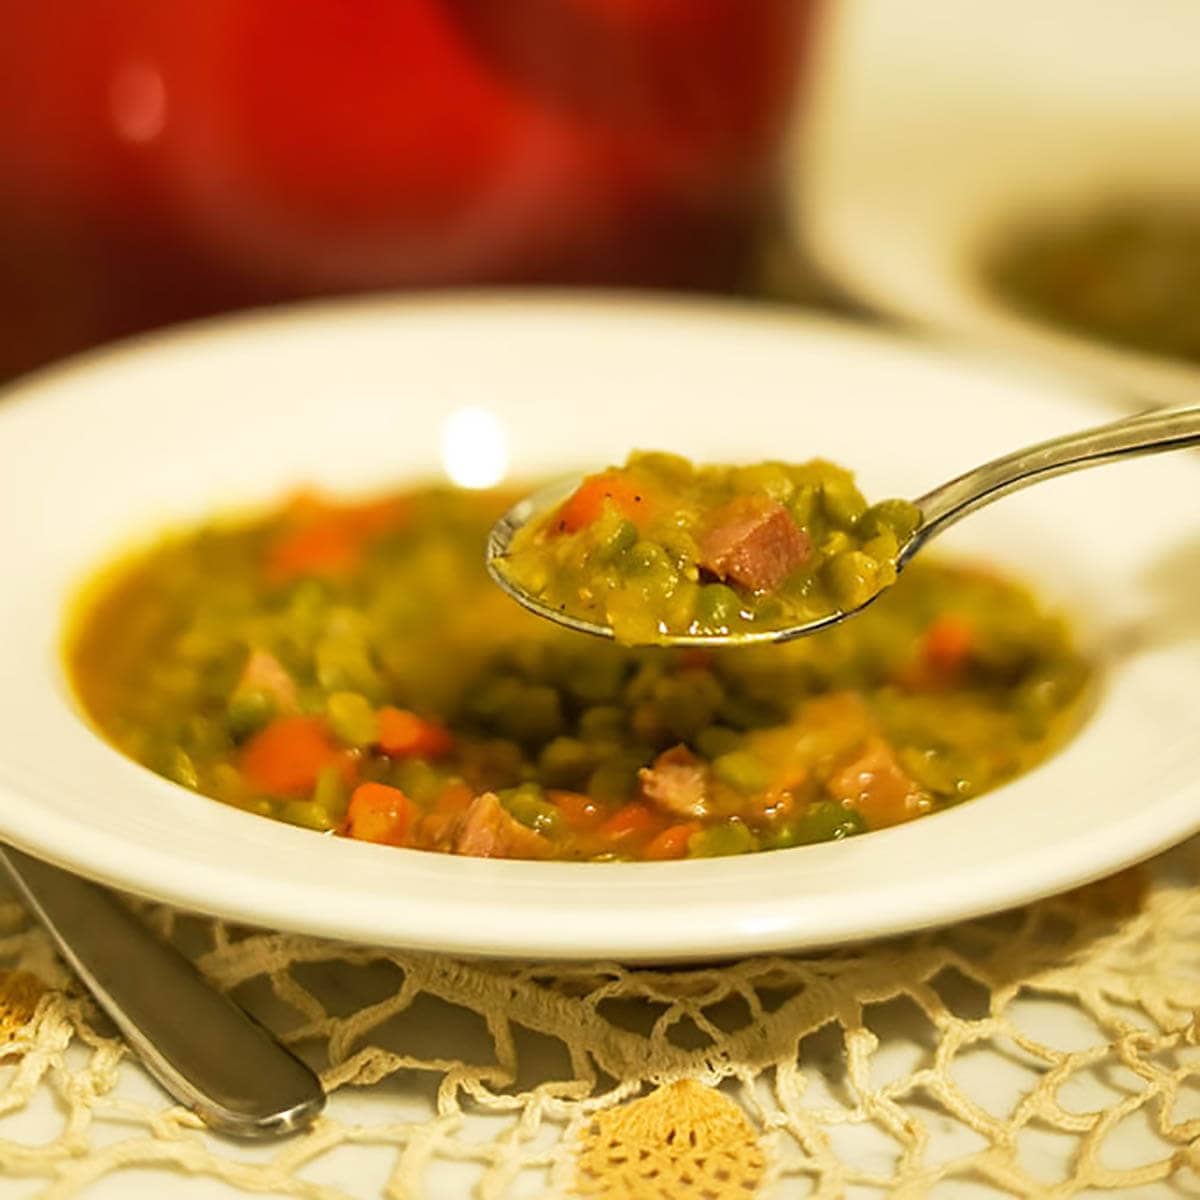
[[528, 804], [783, 836], [900, 517], [247, 712], [616, 779], [204, 738], [307, 814], [615, 535], [748, 712], [491, 697], [344, 662], [311, 701], [853, 578], [536, 717], [716, 841], [842, 502], [837, 541], [417, 780], [828, 821], [182, 769], [307, 607], [330, 793], [596, 677], [882, 548], [685, 704], [603, 723], [944, 774], [742, 771], [645, 558], [565, 762], [530, 713], [803, 505], [352, 718], [497, 760], [531, 659], [717, 608], [645, 680], [716, 740], [227, 783], [766, 479]]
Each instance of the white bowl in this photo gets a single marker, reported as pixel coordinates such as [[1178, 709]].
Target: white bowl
[[940, 128], [354, 395]]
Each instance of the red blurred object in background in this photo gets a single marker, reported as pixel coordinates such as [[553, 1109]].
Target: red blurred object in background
[[164, 160]]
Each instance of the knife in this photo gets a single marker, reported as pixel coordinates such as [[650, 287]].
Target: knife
[[202, 1048]]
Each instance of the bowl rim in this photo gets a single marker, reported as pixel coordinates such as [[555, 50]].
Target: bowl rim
[[677, 928]]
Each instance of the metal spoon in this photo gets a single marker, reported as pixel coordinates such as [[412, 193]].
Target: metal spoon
[[205, 1051], [1146, 433]]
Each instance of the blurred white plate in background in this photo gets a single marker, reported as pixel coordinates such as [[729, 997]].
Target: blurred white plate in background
[[935, 127]]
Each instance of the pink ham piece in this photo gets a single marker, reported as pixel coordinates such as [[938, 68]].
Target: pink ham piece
[[876, 786], [264, 673], [487, 830], [754, 542], [677, 782]]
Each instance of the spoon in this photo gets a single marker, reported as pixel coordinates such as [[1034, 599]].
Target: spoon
[[1145, 433], [206, 1052]]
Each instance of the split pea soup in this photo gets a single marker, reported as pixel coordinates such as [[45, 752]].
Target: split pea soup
[[661, 547], [347, 667]]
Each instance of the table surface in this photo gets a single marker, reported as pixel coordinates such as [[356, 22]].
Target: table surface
[[1053, 1043]]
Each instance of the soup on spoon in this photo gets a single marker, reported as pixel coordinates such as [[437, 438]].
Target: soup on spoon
[[661, 549], [647, 553]]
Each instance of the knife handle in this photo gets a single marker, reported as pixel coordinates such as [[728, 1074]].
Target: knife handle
[[206, 1052]]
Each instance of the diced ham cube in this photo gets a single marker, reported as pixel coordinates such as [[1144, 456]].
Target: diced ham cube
[[876, 786], [755, 543], [487, 830], [677, 782]]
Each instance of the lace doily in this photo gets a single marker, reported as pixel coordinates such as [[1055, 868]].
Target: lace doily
[[1050, 1051]]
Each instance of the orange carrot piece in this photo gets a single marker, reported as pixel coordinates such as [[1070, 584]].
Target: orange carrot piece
[[285, 758], [579, 811], [375, 517], [326, 546], [671, 843], [947, 644], [378, 813], [327, 539], [403, 734], [631, 821], [586, 503]]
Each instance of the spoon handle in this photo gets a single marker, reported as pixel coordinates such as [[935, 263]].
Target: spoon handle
[[1146, 433], [208, 1054]]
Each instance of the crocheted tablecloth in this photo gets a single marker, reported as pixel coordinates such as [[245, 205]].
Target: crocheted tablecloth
[[1049, 1051]]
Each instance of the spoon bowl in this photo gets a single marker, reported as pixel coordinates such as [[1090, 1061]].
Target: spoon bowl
[[1144, 433], [544, 500]]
